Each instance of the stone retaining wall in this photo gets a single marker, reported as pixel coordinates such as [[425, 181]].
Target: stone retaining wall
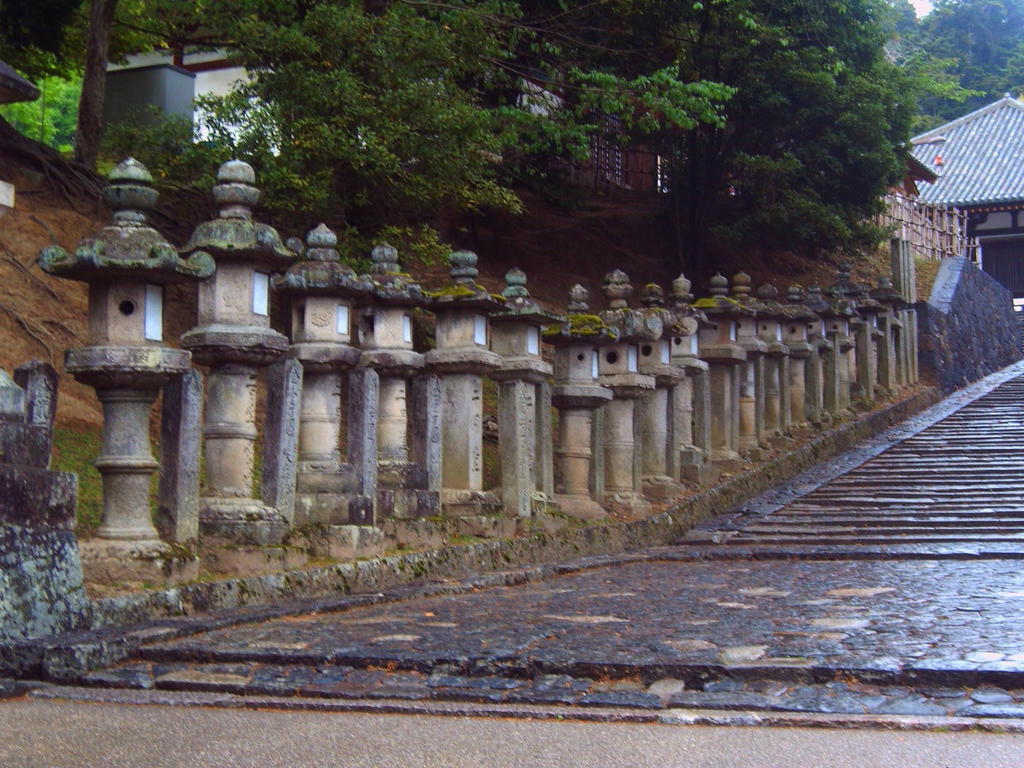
[[968, 326], [461, 561]]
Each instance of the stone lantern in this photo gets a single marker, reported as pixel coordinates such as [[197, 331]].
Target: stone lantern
[[866, 340], [619, 370], [720, 349], [462, 358], [804, 365], [891, 328], [823, 377], [692, 393], [657, 416], [846, 290], [577, 394], [524, 400], [835, 313], [126, 267], [323, 295], [408, 404], [770, 321], [235, 340], [752, 373]]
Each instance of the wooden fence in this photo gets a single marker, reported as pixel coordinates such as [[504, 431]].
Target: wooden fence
[[934, 231]]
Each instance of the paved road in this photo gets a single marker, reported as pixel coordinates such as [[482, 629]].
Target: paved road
[[75, 735], [878, 590]]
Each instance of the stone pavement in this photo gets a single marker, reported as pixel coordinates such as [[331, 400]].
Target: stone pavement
[[879, 589]]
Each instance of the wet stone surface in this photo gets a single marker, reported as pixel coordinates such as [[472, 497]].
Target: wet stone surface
[[790, 607], [922, 638]]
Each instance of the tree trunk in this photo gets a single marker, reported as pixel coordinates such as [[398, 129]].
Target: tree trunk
[[90, 105]]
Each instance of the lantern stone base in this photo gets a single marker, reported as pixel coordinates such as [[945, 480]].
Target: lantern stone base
[[754, 452], [694, 467], [106, 561], [222, 557], [345, 542], [332, 509], [781, 442], [459, 503], [729, 461], [550, 521], [486, 526], [627, 503], [407, 503], [241, 521], [580, 507], [416, 534], [661, 488]]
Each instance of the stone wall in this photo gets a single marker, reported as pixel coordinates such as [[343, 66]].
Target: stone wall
[[41, 589], [968, 326]]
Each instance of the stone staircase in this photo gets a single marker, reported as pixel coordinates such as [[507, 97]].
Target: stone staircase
[[958, 482]]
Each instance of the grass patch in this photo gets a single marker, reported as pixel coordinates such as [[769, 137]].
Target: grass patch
[[74, 450]]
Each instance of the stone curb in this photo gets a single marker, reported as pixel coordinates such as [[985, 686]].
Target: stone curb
[[667, 717], [122, 624]]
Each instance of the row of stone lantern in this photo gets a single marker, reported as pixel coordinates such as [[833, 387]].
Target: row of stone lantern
[[675, 390]]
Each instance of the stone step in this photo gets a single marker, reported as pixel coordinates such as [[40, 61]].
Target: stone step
[[833, 539], [875, 531], [885, 523]]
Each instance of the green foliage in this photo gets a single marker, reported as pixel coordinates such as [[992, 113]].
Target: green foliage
[[974, 49], [170, 147], [51, 118], [815, 131], [379, 116], [35, 39]]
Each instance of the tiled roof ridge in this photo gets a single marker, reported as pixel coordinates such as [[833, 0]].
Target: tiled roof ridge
[[931, 135]]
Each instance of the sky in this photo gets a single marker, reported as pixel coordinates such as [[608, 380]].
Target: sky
[[921, 6]]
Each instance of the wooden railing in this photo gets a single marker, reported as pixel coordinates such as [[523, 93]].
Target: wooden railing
[[933, 231]]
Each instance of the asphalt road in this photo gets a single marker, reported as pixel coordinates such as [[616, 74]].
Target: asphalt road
[[80, 735]]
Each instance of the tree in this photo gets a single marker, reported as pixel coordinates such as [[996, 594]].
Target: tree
[[90, 106], [381, 114], [979, 45], [34, 36], [781, 121], [51, 119], [815, 132]]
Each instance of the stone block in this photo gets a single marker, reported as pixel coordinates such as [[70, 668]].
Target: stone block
[[348, 542], [39, 380], [151, 562], [320, 508], [363, 398], [701, 474], [281, 436], [426, 437], [41, 588], [486, 526], [661, 488], [27, 445], [12, 400], [244, 521], [360, 511], [37, 498], [180, 425], [251, 560], [416, 534], [463, 503]]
